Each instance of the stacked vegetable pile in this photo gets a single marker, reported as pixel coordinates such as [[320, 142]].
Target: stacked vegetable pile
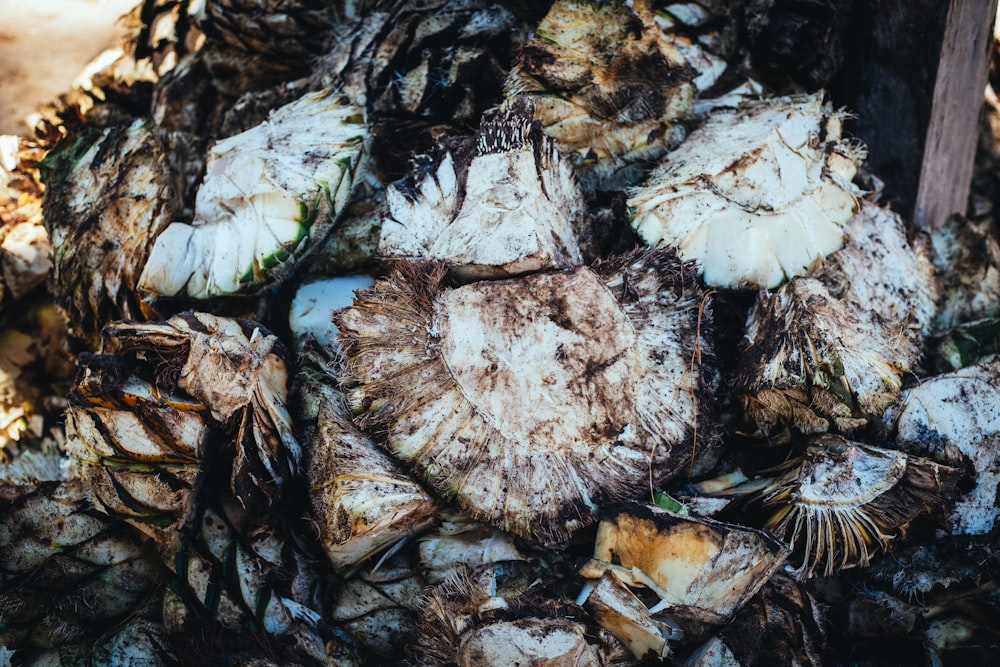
[[471, 333]]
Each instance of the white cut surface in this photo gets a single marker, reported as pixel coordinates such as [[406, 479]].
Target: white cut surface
[[851, 479], [708, 66], [362, 501], [754, 196], [455, 545], [625, 616], [878, 269], [312, 307], [966, 257], [956, 416], [532, 401], [516, 216], [267, 194], [528, 641], [527, 366], [414, 224]]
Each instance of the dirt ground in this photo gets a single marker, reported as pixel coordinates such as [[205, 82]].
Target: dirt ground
[[44, 44]]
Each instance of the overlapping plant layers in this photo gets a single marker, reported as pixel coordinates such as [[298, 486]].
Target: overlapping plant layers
[[462, 333]]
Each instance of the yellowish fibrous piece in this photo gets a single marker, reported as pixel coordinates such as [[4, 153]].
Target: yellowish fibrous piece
[[703, 569]]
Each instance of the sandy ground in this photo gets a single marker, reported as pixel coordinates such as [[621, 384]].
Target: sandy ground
[[44, 44]]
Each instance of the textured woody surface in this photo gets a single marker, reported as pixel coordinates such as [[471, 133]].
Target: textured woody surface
[[532, 401]]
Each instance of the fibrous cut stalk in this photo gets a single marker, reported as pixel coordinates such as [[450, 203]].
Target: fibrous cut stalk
[[268, 196], [756, 195], [107, 199], [361, 500], [829, 352], [512, 207], [953, 418], [237, 371], [533, 401], [843, 502], [609, 86]]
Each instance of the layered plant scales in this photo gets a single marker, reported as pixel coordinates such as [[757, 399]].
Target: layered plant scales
[[420, 487]]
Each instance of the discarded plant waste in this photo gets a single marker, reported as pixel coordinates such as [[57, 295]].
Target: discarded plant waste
[[424, 333]]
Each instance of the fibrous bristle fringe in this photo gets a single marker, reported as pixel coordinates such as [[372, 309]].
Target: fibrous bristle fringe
[[839, 533], [510, 127], [672, 273], [447, 610]]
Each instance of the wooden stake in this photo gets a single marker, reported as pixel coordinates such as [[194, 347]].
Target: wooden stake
[[950, 148]]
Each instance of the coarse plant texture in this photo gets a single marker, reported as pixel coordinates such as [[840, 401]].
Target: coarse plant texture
[[235, 573], [882, 269], [34, 361], [954, 418], [829, 352], [268, 195], [282, 32], [17, 397], [943, 571], [379, 605], [237, 371], [361, 500], [186, 109], [967, 262], [626, 617], [964, 345], [782, 625], [61, 556], [702, 570], [458, 543], [704, 35], [106, 199], [796, 45], [24, 244], [469, 620], [500, 204], [138, 450], [423, 69], [714, 24], [609, 86], [756, 195], [843, 502], [533, 401]]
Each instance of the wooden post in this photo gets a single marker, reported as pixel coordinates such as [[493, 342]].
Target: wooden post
[[887, 81], [950, 148]]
